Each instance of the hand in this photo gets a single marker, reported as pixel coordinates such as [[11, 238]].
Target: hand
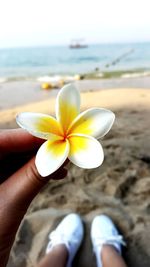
[[19, 183]]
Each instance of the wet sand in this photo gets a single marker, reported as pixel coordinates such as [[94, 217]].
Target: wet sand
[[18, 93]]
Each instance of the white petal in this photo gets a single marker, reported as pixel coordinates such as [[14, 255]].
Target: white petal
[[39, 125], [50, 156], [95, 122], [85, 151], [67, 105]]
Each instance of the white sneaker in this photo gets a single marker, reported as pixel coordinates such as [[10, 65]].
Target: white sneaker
[[70, 233], [103, 231]]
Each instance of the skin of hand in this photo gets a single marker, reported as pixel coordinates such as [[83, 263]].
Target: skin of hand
[[20, 182]]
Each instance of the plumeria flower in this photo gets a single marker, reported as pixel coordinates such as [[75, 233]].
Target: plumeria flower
[[71, 135]]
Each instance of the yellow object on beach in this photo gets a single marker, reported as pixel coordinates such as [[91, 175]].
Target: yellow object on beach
[[46, 86]]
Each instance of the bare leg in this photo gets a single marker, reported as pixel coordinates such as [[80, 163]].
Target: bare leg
[[111, 258], [57, 257]]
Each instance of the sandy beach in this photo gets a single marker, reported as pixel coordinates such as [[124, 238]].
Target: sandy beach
[[17, 93], [119, 188]]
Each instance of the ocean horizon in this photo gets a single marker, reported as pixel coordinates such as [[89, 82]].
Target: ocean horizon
[[125, 59]]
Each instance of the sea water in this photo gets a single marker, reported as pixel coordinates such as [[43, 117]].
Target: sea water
[[34, 62]]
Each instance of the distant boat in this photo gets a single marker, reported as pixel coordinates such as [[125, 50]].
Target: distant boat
[[77, 44]]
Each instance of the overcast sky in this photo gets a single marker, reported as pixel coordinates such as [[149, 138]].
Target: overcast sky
[[47, 22]]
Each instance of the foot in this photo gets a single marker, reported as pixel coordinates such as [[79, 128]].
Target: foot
[[70, 233], [104, 232]]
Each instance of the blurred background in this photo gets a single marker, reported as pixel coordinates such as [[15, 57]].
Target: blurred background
[[47, 38], [104, 48]]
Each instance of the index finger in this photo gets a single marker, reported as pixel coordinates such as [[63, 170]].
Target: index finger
[[17, 140]]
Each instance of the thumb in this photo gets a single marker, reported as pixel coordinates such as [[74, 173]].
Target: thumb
[[24, 185], [16, 194]]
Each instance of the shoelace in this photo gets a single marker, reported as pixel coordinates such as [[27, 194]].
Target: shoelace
[[110, 240], [57, 238]]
